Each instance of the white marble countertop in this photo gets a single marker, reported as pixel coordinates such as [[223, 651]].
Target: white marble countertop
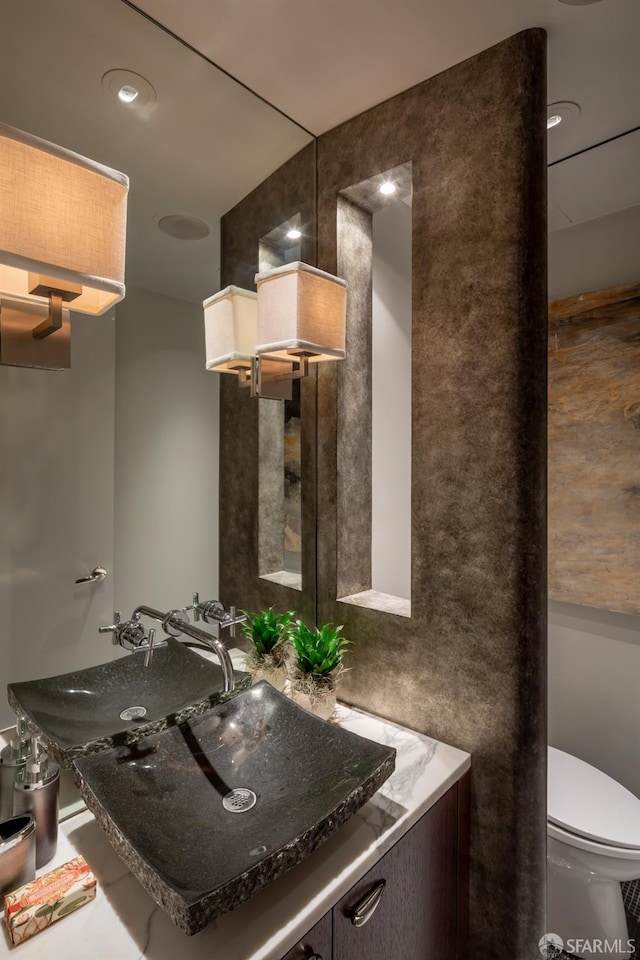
[[124, 923]]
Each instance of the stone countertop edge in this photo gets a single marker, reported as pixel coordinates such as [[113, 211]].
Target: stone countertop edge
[[124, 923]]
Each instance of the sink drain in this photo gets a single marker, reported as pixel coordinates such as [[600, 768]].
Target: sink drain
[[133, 713], [239, 800]]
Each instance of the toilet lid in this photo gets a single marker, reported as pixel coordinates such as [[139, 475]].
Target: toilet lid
[[585, 801]]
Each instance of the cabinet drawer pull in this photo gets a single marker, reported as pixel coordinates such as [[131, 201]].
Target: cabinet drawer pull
[[308, 953], [364, 910]]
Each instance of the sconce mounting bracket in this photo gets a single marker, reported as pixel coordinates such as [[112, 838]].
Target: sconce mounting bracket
[[20, 348], [58, 292]]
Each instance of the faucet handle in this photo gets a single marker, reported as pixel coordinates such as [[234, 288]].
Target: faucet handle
[[129, 634], [148, 655], [211, 611], [113, 628]]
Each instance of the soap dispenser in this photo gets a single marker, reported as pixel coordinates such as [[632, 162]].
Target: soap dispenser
[[12, 760], [36, 791]]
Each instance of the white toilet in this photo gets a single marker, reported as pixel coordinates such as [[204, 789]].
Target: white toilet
[[593, 831]]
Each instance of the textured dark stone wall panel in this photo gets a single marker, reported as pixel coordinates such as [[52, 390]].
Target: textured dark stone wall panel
[[469, 665], [355, 265]]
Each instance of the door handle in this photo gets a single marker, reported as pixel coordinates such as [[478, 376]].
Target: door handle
[[365, 909], [96, 576]]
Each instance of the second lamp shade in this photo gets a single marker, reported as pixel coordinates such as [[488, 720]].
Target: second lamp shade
[[231, 325], [301, 308]]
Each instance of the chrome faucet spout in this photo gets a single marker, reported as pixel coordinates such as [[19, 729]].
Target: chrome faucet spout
[[176, 622]]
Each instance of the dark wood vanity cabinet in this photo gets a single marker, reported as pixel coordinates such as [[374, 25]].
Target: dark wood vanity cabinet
[[413, 905], [317, 943]]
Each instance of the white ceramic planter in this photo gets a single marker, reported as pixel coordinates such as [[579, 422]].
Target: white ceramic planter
[[267, 669], [320, 700]]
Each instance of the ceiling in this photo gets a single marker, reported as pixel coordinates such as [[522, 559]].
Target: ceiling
[[322, 63], [207, 140], [203, 145]]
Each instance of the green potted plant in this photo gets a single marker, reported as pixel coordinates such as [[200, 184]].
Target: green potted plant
[[268, 633], [319, 653]]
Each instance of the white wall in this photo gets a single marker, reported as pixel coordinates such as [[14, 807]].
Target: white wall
[[594, 255], [141, 380], [594, 655], [56, 509], [166, 476], [391, 401], [594, 688]]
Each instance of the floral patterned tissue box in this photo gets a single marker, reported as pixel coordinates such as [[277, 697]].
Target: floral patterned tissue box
[[54, 895]]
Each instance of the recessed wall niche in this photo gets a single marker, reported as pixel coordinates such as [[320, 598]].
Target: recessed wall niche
[[374, 485]]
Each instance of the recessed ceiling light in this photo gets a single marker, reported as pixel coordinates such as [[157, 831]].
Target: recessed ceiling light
[[181, 226], [562, 112], [294, 234], [387, 188], [128, 88], [127, 93]]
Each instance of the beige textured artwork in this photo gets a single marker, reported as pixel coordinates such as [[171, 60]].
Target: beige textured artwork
[[594, 450]]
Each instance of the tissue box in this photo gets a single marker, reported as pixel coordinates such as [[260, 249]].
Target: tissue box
[[54, 895]]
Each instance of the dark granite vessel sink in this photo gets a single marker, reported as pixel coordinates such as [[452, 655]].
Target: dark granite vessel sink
[[91, 710], [160, 801]]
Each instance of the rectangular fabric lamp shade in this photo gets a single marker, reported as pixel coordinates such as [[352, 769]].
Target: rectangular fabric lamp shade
[[61, 216], [301, 308], [231, 327]]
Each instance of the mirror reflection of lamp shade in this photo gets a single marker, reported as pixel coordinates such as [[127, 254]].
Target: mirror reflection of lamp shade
[[62, 216], [301, 309], [231, 326]]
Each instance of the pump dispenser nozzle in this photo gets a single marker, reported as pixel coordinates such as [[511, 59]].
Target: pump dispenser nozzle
[[12, 760]]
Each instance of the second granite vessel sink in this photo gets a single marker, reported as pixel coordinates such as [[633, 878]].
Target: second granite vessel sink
[[95, 709], [207, 813]]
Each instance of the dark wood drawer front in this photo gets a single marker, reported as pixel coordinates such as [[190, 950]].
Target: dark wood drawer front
[[317, 942], [414, 917]]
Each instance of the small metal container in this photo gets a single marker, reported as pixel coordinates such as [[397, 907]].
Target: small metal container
[[35, 791], [17, 852]]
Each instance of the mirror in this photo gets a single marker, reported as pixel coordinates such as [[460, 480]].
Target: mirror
[[115, 462], [279, 445]]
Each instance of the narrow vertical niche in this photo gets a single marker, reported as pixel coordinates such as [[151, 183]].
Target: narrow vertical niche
[[279, 461], [374, 406]]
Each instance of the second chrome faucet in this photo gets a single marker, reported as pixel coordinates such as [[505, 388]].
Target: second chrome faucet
[[131, 634]]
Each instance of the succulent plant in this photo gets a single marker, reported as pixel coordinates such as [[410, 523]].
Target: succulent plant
[[267, 630], [319, 650]]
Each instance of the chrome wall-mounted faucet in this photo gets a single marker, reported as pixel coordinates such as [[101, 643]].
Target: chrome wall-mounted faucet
[[131, 634], [212, 611]]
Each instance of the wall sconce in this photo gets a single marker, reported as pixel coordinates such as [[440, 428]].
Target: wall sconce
[[62, 242], [268, 339], [231, 329]]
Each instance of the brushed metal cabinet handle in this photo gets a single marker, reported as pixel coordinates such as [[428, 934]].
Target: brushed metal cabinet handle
[[364, 910]]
